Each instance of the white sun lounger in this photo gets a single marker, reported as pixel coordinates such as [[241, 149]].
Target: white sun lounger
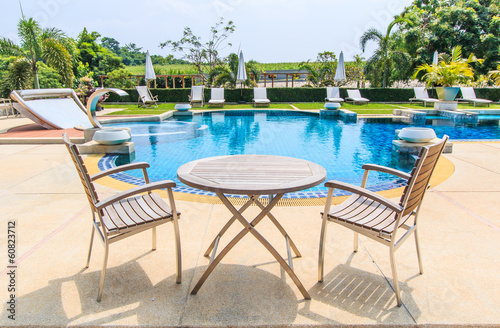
[[421, 95], [333, 95], [217, 97], [260, 97], [468, 95], [197, 96], [355, 97], [145, 96], [52, 108]]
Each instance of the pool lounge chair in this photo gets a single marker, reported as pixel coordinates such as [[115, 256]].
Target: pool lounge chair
[[197, 96], [468, 95], [145, 97], [379, 218], [128, 212], [260, 97], [52, 108], [333, 95], [421, 95], [354, 96], [217, 97]]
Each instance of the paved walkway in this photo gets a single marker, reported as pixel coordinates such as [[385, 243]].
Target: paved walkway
[[460, 240]]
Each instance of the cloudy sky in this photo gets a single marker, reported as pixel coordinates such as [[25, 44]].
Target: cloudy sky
[[266, 30]]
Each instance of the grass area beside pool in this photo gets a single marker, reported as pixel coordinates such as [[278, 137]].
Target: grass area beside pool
[[460, 106], [164, 107]]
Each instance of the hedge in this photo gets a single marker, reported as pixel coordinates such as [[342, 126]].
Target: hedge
[[296, 94]]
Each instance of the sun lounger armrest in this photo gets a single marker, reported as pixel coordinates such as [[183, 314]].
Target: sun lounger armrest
[[126, 167], [134, 191], [384, 169], [364, 192]]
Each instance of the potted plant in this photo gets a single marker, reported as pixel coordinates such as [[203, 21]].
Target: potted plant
[[449, 72]]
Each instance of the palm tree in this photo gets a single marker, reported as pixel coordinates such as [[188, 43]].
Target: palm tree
[[450, 70], [387, 54], [222, 75], [50, 45]]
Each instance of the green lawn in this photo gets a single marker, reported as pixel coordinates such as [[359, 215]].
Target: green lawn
[[163, 107], [360, 109]]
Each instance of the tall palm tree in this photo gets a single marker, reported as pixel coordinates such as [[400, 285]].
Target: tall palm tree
[[387, 53], [50, 45]]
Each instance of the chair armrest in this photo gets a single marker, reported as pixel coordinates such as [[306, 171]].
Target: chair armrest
[[134, 191], [126, 167], [384, 169], [364, 192]]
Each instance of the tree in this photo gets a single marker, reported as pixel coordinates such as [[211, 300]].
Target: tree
[[49, 45], [204, 56], [322, 71], [111, 44], [442, 24], [226, 74], [450, 70], [100, 59], [388, 57]]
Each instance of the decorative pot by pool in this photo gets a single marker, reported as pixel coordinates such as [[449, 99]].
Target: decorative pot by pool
[[182, 107], [417, 134], [332, 105], [447, 93], [111, 136]]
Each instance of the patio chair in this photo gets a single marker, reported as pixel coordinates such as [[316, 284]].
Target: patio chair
[[468, 95], [333, 95], [146, 99], [377, 217], [6, 105], [126, 213], [217, 97], [421, 95], [260, 97], [197, 96], [354, 96]]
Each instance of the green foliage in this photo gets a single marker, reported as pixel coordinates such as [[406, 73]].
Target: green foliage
[[49, 45], [450, 71], [322, 71], [495, 75], [19, 76], [225, 75], [390, 57], [120, 78], [442, 24], [100, 60], [48, 77]]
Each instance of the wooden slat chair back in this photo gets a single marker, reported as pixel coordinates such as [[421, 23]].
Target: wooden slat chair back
[[126, 213], [377, 217]]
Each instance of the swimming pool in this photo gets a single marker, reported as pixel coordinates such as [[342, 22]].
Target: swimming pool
[[341, 148]]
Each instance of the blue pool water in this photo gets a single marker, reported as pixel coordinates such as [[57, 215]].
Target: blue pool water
[[341, 148]]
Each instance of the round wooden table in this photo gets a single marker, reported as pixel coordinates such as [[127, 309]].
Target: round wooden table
[[251, 175]]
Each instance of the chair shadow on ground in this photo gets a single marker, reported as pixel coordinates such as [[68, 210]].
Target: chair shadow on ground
[[361, 293], [233, 294]]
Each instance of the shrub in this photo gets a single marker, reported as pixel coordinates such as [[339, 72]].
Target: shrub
[[120, 78]]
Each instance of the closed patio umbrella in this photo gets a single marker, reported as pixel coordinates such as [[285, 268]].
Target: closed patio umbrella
[[150, 72], [435, 58], [241, 76], [340, 72]]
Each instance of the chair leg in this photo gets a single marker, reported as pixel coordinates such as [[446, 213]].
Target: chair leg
[[90, 247], [395, 276], [420, 264], [355, 242], [321, 257], [103, 271], [154, 238], [178, 278]]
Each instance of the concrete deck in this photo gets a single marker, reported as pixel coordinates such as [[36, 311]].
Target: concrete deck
[[460, 241]]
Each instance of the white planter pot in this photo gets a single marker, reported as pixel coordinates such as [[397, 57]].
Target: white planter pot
[[111, 136], [417, 134]]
